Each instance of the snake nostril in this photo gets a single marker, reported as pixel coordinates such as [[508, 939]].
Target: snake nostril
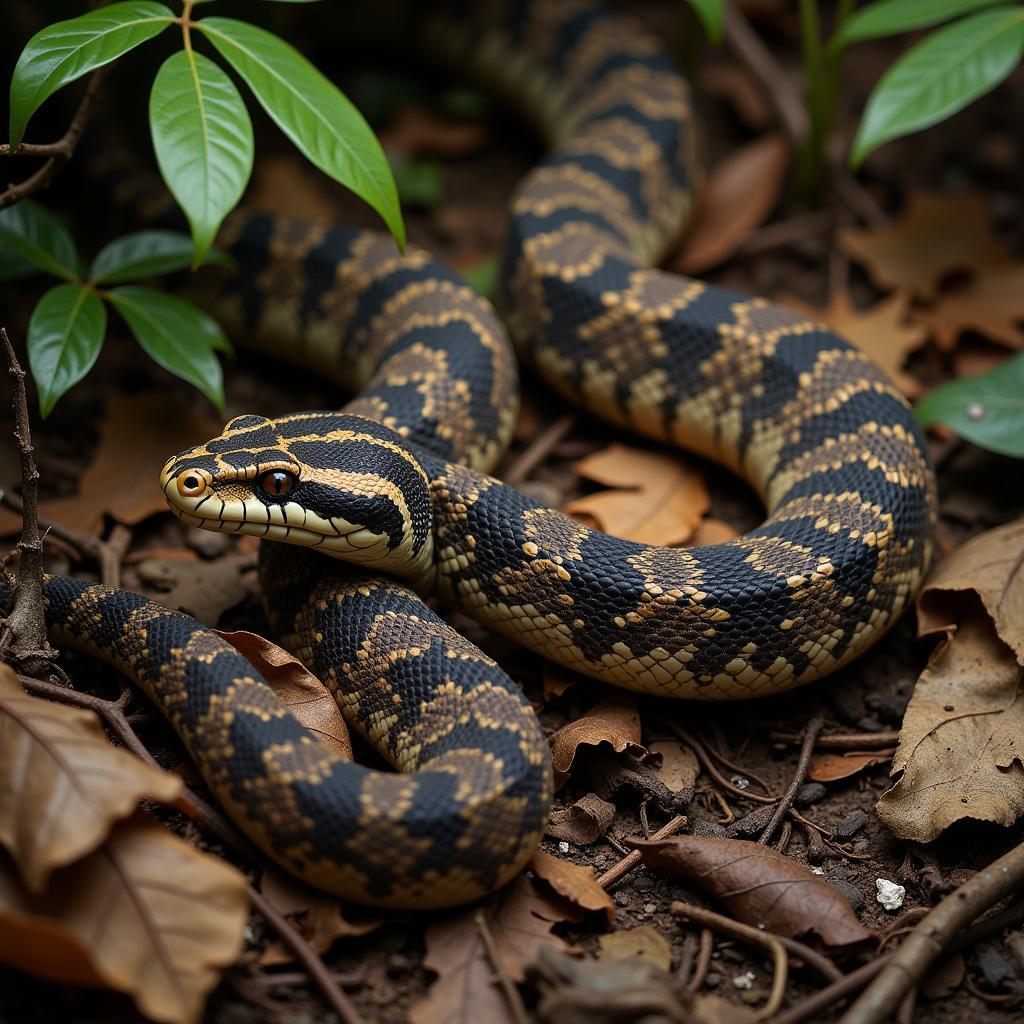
[[190, 484]]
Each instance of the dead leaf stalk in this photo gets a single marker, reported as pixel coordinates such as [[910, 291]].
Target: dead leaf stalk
[[632, 859], [508, 989], [703, 964], [23, 639], [814, 727], [58, 153], [753, 936], [539, 449], [712, 769], [843, 741], [931, 938]]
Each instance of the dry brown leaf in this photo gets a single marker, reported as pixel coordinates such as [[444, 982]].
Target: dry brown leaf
[[989, 568], [613, 720], [582, 822], [961, 746], [145, 914], [833, 767], [62, 785], [576, 883], [711, 531], [311, 702], [883, 331], [740, 193], [643, 943], [138, 434], [679, 765], [990, 303], [204, 590], [944, 978], [936, 235], [556, 680], [657, 499], [519, 919], [757, 885], [418, 131]]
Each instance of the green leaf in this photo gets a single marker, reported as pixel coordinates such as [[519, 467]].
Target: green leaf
[[62, 52], [12, 266], [37, 236], [987, 409], [203, 141], [890, 17], [312, 112], [177, 335], [65, 336], [712, 17], [941, 75], [147, 254]]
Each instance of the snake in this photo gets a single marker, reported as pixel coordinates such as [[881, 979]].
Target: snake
[[374, 508]]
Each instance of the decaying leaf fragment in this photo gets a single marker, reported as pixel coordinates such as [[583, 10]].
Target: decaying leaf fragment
[[573, 881], [643, 943], [657, 498], [757, 885], [62, 785], [583, 822], [144, 913], [613, 720]]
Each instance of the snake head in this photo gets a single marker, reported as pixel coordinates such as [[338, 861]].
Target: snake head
[[344, 485]]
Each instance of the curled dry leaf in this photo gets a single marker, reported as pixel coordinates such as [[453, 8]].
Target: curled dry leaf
[[205, 590], [557, 680], [832, 767], [311, 702], [643, 943], [936, 235], [62, 785], [145, 914], [582, 822], [137, 435], [961, 747], [883, 331], [989, 568], [657, 499], [758, 886], [519, 920], [613, 720], [576, 883], [740, 193]]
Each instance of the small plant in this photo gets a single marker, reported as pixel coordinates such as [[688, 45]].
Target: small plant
[[203, 139]]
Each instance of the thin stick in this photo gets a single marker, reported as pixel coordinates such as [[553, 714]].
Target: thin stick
[[511, 993], [814, 1005], [538, 449], [843, 741], [814, 726], [709, 766], [930, 939], [630, 861], [754, 936], [703, 965]]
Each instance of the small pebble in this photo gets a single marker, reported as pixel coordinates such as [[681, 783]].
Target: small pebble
[[713, 980], [398, 965], [817, 871], [890, 894], [744, 980], [998, 970], [850, 825], [862, 846], [740, 782], [206, 543], [650, 908], [563, 847], [853, 895], [643, 883], [810, 793], [754, 996]]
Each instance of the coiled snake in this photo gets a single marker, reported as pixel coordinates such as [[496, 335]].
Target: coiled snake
[[397, 482]]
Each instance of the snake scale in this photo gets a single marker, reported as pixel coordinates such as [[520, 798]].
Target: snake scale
[[397, 482]]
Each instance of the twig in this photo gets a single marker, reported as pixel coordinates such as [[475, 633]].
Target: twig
[[59, 152], [709, 766], [814, 726], [814, 1005], [856, 198], [538, 449], [703, 964], [844, 741], [630, 861], [23, 640], [929, 940], [754, 936], [511, 993]]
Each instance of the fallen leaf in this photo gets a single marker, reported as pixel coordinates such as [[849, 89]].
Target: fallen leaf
[[657, 500], [711, 531], [988, 568], [310, 701], [991, 303], [962, 741], [883, 331], [576, 883], [613, 720], [137, 435], [643, 943], [205, 590], [62, 785], [583, 822], [557, 680], [418, 131], [739, 194], [519, 920], [833, 767], [935, 236], [944, 978], [679, 765], [757, 885], [145, 914]]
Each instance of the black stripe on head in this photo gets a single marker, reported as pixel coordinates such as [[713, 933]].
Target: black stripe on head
[[262, 436], [377, 513], [188, 461]]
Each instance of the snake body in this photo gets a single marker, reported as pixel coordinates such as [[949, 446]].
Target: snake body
[[397, 482]]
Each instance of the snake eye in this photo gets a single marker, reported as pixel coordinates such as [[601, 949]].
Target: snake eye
[[190, 484], [276, 482]]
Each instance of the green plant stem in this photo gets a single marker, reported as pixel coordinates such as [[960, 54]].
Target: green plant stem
[[812, 157]]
